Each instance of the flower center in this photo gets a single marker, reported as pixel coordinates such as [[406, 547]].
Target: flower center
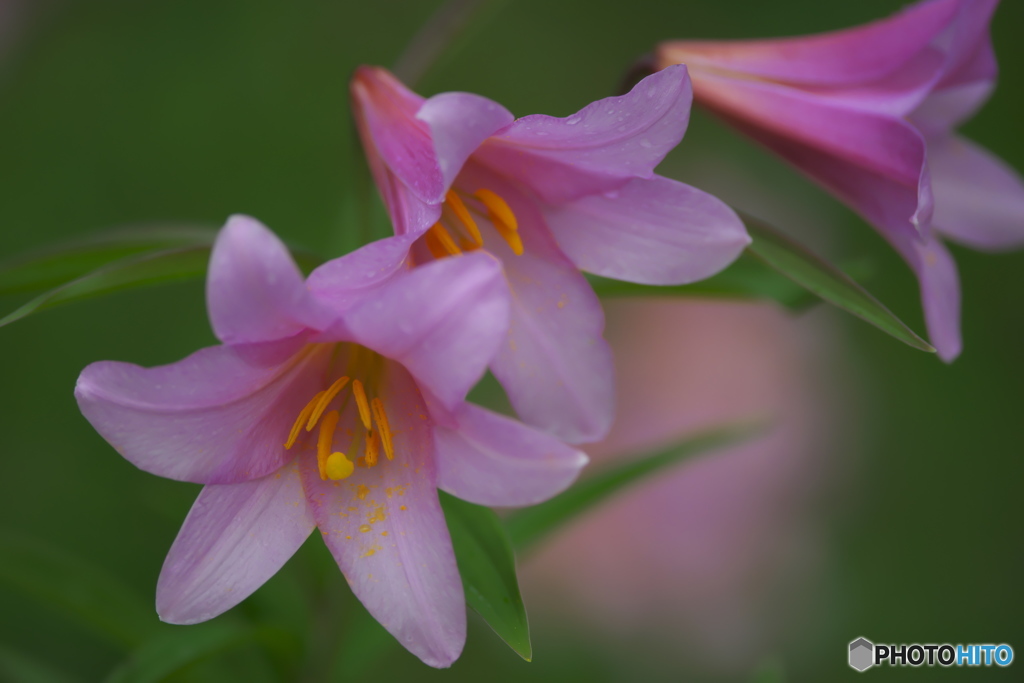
[[457, 230], [376, 436]]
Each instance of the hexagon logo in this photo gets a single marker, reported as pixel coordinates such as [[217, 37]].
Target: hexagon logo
[[862, 653]]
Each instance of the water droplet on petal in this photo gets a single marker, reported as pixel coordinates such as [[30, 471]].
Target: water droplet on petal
[[645, 143]]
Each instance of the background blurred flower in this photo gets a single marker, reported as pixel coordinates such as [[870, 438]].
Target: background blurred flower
[[548, 196], [869, 113], [710, 560]]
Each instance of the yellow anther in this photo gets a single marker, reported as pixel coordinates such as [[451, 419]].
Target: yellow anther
[[301, 420], [434, 245], [338, 466], [325, 399], [372, 449], [381, 418], [445, 240], [325, 440], [459, 207], [364, 406], [502, 217]]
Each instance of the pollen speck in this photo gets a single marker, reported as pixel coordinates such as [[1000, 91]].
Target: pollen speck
[[362, 492], [364, 527], [402, 507]]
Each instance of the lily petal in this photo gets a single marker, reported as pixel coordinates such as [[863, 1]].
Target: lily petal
[[254, 290], [555, 365], [655, 231], [344, 281], [459, 122], [235, 538], [494, 460], [443, 321], [600, 147], [845, 57], [979, 199], [211, 418], [385, 528]]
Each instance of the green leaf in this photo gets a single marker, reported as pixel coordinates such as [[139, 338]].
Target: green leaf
[[177, 648], [15, 666], [144, 269], [826, 281], [93, 597], [746, 277], [60, 264], [529, 525], [488, 569]]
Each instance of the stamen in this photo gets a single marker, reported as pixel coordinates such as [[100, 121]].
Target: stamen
[[434, 245], [338, 466], [445, 239], [459, 207], [325, 398], [325, 440], [364, 406], [502, 217], [372, 449], [381, 418], [300, 420]]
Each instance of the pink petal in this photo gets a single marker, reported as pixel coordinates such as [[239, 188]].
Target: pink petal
[[946, 109], [254, 290], [884, 145], [849, 56], [555, 365], [459, 123], [386, 114], [235, 538], [655, 231], [386, 530], [600, 146], [212, 418], [979, 200], [346, 280], [940, 289], [443, 321], [493, 460]]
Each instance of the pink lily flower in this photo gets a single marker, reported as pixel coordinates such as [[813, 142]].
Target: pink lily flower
[[548, 197], [869, 113], [335, 403]]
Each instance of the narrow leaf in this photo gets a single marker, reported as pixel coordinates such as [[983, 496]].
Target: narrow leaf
[[149, 268], [529, 525], [826, 281], [177, 648], [747, 277], [488, 569], [87, 593], [60, 264]]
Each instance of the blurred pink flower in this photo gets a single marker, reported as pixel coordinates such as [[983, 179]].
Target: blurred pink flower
[[376, 363], [547, 196], [698, 559], [869, 113]]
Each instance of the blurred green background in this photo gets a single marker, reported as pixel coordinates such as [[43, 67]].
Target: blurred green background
[[119, 112]]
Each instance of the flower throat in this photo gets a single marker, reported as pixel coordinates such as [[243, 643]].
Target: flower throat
[[457, 222], [335, 465]]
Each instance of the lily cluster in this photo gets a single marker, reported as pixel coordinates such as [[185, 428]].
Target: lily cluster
[[338, 401]]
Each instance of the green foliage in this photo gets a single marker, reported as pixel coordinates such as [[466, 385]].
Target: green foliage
[[487, 565], [826, 281]]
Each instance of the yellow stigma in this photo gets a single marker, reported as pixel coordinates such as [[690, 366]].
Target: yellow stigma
[[338, 467], [364, 407], [381, 418], [502, 217], [325, 398]]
